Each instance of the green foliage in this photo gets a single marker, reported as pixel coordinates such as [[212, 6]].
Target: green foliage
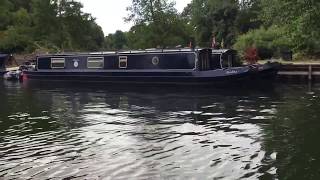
[[301, 20], [15, 39], [116, 41], [157, 24], [269, 42], [17, 4], [147, 11], [17, 36], [214, 18], [269, 25], [26, 25], [248, 14], [139, 37], [222, 19], [5, 7]]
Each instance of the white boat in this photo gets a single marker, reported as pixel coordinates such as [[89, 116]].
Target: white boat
[[13, 75]]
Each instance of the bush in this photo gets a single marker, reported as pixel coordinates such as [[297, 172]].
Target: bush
[[269, 42], [15, 39]]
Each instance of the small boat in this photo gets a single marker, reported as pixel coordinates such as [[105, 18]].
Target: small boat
[[153, 66], [9, 68], [13, 75]]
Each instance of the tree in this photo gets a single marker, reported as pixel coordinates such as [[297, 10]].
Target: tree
[[82, 31], [17, 4], [5, 7], [268, 42], [159, 20], [48, 30], [140, 36], [17, 36], [147, 11], [248, 16], [116, 41], [214, 18], [301, 20], [47, 24]]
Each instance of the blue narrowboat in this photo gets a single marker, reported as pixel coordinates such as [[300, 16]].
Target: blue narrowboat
[[165, 66]]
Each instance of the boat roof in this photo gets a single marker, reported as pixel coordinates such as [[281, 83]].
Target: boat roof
[[2, 56], [152, 50]]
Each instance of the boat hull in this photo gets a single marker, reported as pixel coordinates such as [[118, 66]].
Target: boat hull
[[240, 75]]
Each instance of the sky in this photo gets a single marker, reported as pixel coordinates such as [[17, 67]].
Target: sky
[[109, 14]]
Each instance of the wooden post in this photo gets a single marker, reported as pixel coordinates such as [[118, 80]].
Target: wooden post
[[310, 73]]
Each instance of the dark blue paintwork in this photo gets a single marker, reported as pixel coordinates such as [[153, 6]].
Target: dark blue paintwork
[[3, 59], [172, 67], [168, 60]]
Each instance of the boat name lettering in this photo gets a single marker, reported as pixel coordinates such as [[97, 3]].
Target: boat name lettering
[[231, 72]]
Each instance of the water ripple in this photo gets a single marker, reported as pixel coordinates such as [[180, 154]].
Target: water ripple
[[80, 134]]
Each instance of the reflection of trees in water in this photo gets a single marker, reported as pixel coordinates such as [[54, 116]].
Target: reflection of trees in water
[[18, 108], [151, 104], [64, 102], [293, 135], [155, 105], [153, 110], [217, 111], [151, 113]]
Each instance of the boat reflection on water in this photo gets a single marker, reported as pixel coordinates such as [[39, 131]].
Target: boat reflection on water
[[149, 132]]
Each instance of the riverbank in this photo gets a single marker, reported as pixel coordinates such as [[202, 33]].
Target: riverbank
[[295, 62], [21, 58]]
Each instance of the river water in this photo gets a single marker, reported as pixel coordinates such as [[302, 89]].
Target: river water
[[57, 131]]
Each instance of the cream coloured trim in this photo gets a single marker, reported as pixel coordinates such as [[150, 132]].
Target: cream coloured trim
[[58, 60], [123, 59], [95, 59]]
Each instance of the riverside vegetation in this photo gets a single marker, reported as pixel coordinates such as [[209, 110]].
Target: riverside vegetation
[[270, 26]]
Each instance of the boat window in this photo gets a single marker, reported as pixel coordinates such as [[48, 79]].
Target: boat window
[[57, 63], [224, 63], [215, 62], [230, 60], [209, 60], [123, 63], [227, 62], [95, 62], [216, 57]]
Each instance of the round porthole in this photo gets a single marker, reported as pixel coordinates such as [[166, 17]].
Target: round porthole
[[155, 60], [76, 63]]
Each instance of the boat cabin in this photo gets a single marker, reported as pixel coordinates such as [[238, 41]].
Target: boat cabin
[[154, 66], [119, 61], [182, 59], [227, 58], [211, 59]]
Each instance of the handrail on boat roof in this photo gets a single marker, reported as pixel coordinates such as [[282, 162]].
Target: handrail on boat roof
[[155, 50], [151, 50]]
